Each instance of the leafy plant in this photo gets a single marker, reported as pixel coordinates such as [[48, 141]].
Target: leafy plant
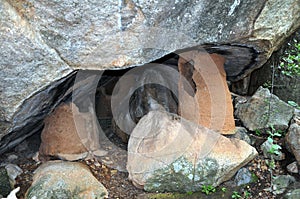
[[254, 177], [267, 84], [235, 195], [208, 189], [275, 148], [247, 194], [271, 164], [294, 104], [290, 64], [257, 132], [189, 193], [223, 189], [274, 133]]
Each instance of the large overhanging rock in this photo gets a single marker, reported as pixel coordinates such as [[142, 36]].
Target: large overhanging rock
[[42, 42], [31, 73], [117, 34]]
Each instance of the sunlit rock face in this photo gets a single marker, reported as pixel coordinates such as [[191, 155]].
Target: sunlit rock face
[[43, 42], [116, 34], [210, 105], [264, 110], [178, 155], [60, 179]]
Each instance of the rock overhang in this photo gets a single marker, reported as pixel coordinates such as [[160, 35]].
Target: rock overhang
[[111, 35]]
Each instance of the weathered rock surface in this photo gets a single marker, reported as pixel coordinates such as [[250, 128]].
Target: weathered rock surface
[[42, 42], [241, 133], [13, 194], [62, 138], [281, 183], [292, 194], [210, 105], [292, 168], [13, 171], [264, 110], [31, 77], [178, 155], [292, 139], [58, 179], [76, 30], [243, 176], [5, 186]]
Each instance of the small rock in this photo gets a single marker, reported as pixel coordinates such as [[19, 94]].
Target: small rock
[[292, 194], [240, 100], [243, 176], [100, 152], [13, 171], [5, 186], [296, 118], [178, 155], [241, 134], [281, 183], [266, 146], [292, 139], [12, 158], [35, 157], [293, 167], [255, 113], [59, 179], [64, 139]]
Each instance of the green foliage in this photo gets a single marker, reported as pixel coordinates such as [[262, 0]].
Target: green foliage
[[271, 164], [235, 195], [208, 189], [290, 63], [223, 189], [275, 148], [257, 132], [294, 104], [275, 134], [254, 177], [247, 194], [189, 193], [267, 84]]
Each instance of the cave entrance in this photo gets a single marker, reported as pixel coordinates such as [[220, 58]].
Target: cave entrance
[[144, 99], [105, 106]]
